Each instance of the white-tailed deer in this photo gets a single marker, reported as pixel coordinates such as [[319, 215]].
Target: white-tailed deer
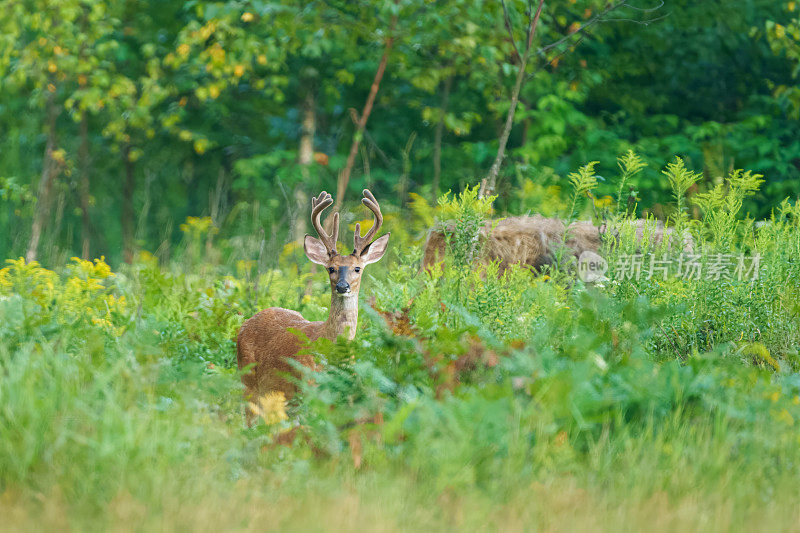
[[265, 339], [533, 240]]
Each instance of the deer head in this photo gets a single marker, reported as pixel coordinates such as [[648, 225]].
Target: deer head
[[345, 271]]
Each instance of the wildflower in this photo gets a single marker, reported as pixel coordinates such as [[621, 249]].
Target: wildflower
[[198, 225], [247, 16], [5, 280], [271, 407], [101, 268]]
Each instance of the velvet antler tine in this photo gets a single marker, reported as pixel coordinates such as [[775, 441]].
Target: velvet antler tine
[[368, 194], [360, 241], [318, 205], [335, 230]]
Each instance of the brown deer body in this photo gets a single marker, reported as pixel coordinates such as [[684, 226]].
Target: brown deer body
[[268, 340]]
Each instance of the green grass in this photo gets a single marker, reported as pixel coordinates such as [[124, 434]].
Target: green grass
[[512, 403]]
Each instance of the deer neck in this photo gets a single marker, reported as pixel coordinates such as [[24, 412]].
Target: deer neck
[[342, 316]]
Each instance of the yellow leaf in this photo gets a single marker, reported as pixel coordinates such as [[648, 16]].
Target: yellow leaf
[[247, 16]]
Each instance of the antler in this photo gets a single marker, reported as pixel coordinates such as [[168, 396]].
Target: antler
[[362, 242], [318, 205]]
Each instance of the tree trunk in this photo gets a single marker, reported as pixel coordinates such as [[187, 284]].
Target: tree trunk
[[84, 187], [489, 183], [305, 158], [437, 141], [402, 183], [49, 172], [215, 207], [57, 220], [344, 177], [127, 215]]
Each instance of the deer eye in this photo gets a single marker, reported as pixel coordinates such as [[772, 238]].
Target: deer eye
[[331, 270], [357, 269]]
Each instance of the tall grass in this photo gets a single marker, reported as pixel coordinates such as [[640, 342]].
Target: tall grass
[[467, 400]]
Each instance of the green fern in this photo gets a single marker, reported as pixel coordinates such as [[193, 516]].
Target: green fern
[[468, 212], [722, 204], [680, 180], [630, 164], [583, 181]]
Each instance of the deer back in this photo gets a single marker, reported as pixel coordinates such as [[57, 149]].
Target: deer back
[[266, 340]]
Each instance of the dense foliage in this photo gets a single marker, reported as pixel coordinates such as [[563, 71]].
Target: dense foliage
[[467, 398], [120, 119]]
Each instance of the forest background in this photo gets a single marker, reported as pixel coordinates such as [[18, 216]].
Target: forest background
[[121, 119]]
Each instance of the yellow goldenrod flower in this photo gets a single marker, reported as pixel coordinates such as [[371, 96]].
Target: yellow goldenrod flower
[[271, 407]]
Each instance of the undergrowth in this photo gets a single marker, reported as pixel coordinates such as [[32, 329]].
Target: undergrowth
[[468, 399]]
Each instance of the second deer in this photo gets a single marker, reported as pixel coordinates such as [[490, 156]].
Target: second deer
[[265, 340]]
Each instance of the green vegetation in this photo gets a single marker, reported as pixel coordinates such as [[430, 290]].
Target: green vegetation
[[499, 402], [157, 161], [120, 119]]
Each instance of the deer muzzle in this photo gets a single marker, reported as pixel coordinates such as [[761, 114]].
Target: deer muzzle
[[342, 287]]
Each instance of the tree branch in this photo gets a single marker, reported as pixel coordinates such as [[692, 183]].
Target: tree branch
[[599, 18], [510, 31], [488, 184], [591, 22], [344, 176]]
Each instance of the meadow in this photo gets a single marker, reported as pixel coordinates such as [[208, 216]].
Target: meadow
[[469, 400]]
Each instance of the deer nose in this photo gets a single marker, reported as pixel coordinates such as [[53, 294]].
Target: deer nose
[[342, 287]]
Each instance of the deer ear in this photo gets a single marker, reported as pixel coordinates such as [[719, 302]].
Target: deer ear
[[375, 250], [315, 250]]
